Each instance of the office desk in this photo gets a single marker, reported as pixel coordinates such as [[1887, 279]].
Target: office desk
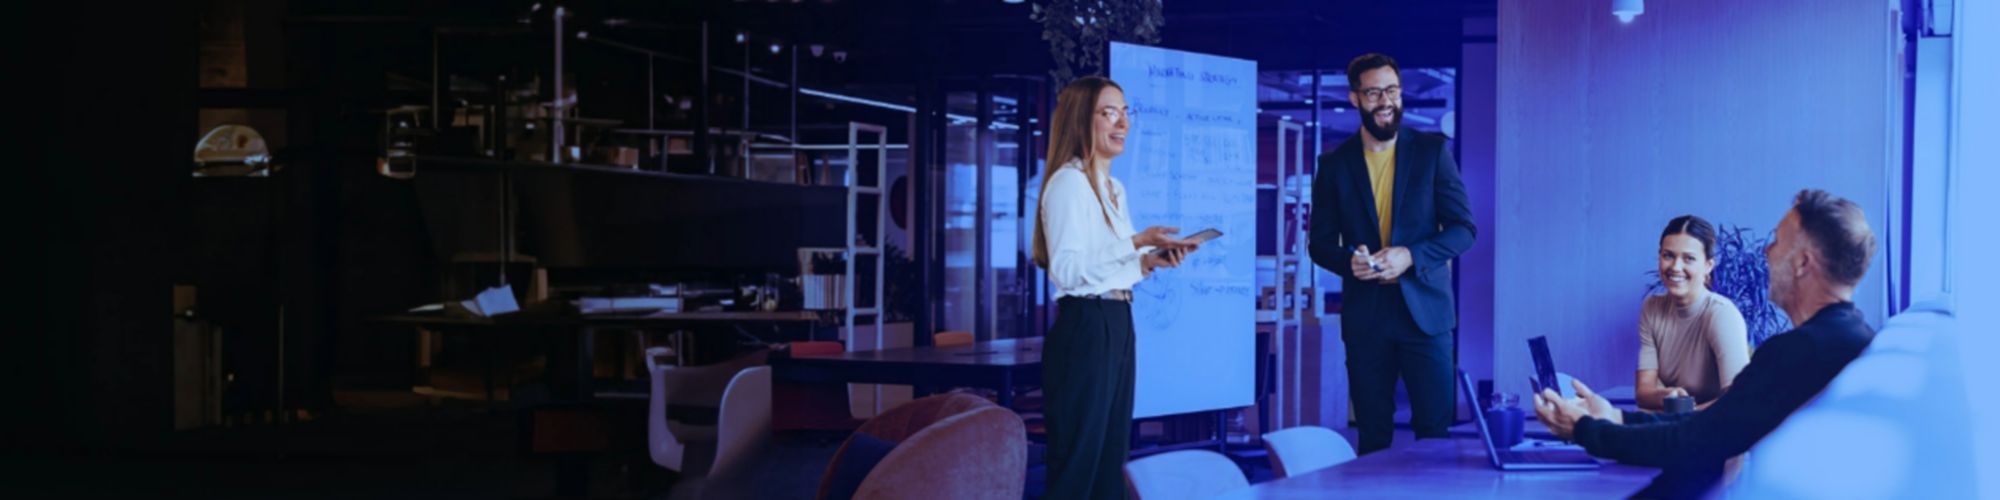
[[998, 364], [570, 337], [1620, 395], [1448, 468], [655, 319], [571, 353]]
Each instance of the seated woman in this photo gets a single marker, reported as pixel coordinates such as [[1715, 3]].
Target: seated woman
[[1692, 341]]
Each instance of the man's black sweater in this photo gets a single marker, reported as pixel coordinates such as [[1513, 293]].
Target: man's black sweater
[[1690, 448]]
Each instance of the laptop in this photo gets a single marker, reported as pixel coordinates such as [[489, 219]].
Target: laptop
[[1511, 459]]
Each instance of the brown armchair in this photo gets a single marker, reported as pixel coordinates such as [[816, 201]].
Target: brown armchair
[[947, 446]]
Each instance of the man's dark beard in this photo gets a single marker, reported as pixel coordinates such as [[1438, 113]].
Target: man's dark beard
[[1383, 133]]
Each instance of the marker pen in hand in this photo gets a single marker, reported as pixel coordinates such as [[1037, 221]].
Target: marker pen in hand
[[1372, 265]]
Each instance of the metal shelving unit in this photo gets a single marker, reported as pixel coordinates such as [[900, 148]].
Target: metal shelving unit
[[1291, 272], [858, 249]]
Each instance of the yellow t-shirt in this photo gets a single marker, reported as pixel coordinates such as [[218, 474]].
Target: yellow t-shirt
[[1382, 177]]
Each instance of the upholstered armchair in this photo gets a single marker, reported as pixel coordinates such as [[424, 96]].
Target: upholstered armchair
[[946, 446]]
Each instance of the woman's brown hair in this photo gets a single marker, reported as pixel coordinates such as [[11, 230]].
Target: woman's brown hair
[[1071, 138]]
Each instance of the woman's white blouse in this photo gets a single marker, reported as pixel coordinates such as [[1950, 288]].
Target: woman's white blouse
[[1086, 256]]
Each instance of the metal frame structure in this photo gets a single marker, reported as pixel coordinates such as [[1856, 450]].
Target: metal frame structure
[[856, 249], [1291, 269]]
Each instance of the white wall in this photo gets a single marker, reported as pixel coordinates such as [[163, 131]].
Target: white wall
[[1719, 108], [1974, 274]]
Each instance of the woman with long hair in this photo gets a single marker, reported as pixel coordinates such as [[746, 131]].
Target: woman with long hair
[[1692, 341], [1084, 240]]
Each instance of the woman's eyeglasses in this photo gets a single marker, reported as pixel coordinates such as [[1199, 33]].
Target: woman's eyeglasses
[[1117, 114]]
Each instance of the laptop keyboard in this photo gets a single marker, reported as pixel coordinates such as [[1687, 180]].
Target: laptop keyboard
[[1545, 457]]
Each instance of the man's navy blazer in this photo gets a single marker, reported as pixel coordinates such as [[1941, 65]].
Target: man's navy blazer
[[1431, 218]]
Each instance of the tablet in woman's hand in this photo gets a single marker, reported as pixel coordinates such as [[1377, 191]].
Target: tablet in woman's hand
[[1199, 237], [1204, 235]]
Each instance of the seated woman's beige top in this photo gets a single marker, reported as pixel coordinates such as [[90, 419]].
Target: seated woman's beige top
[[1700, 347]]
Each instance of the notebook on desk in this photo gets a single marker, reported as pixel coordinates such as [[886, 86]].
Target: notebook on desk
[[1511, 459]]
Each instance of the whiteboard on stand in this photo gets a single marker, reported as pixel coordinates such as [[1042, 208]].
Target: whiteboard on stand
[[1190, 162]]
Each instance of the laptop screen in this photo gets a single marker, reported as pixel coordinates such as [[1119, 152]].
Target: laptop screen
[[1478, 415]]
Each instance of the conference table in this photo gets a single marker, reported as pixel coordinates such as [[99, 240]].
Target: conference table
[[1448, 468], [997, 364]]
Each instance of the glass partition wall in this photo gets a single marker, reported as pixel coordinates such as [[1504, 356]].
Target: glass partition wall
[[990, 140]]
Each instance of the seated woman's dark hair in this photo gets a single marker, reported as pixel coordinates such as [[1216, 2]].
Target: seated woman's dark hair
[[1695, 227]]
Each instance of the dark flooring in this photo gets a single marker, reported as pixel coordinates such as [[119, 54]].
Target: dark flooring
[[397, 445]]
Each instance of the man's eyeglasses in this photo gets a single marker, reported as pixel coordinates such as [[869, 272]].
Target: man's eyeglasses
[[1378, 93]]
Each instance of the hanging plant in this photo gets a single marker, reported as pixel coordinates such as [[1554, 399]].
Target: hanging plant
[[1080, 32], [1740, 274]]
